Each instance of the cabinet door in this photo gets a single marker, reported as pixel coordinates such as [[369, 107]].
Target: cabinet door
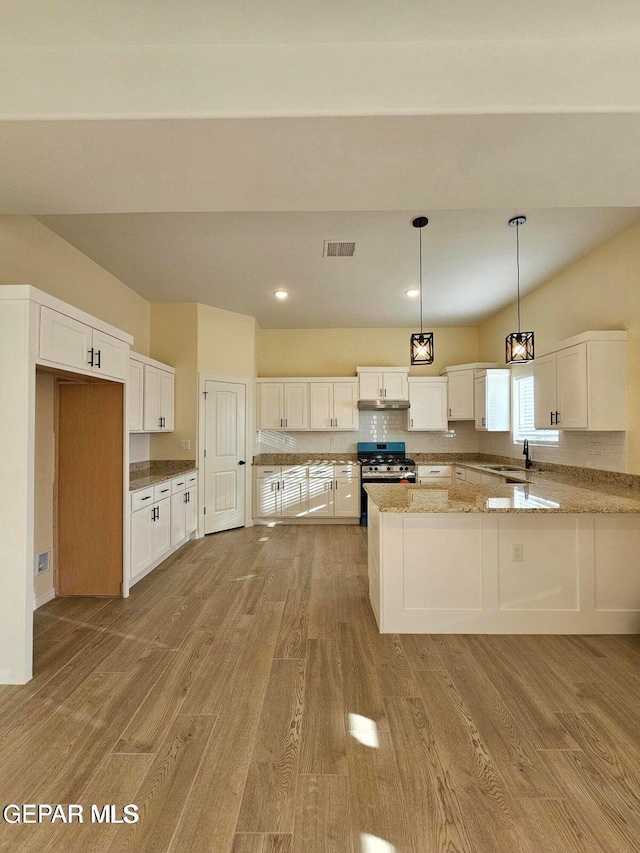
[[461, 395], [64, 340], [110, 355], [191, 514], [572, 397], [480, 402], [428, 405], [346, 500], [544, 391], [271, 405], [162, 529], [178, 518], [167, 381], [134, 395], [396, 386], [371, 387], [294, 497], [474, 477], [267, 497], [141, 544], [321, 402], [491, 479], [296, 405], [152, 399], [345, 405], [320, 497]]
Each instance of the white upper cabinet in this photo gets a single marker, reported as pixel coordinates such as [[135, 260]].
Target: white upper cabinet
[[283, 405], [461, 406], [67, 342], [333, 405], [582, 385], [135, 399], [492, 400], [167, 402], [383, 383], [428, 403]]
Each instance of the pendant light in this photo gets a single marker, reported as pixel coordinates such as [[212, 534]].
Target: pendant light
[[519, 345], [422, 343]]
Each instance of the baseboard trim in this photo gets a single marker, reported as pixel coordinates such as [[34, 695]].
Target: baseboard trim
[[43, 598]]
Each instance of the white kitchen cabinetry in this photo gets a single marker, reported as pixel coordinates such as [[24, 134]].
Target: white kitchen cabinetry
[[461, 406], [162, 518], [67, 342], [158, 399], [428, 404], [307, 491], [150, 395], [473, 476], [492, 400], [135, 395], [389, 383], [438, 474], [333, 405], [283, 405], [582, 384], [491, 479]]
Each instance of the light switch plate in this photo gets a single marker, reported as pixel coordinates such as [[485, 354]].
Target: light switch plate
[[185, 444]]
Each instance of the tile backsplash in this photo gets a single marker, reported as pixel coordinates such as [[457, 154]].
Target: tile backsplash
[[374, 426], [606, 451]]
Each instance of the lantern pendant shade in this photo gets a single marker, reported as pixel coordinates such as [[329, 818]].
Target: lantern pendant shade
[[421, 342], [422, 348], [519, 347]]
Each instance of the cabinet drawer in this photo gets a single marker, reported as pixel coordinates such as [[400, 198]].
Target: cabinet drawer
[[141, 499], [178, 484], [295, 472], [161, 491], [443, 471], [461, 474], [345, 472], [265, 471], [192, 479], [323, 472]]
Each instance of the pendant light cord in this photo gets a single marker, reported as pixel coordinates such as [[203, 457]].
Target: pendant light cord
[[421, 323], [518, 268]]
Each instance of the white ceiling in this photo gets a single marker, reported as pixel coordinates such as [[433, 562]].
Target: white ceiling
[[236, 260], [204, 151], [53, 22]]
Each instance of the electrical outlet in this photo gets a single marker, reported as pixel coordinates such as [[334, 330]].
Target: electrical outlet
[[596, 448], [518, 554], [185, 444], [332, 439]]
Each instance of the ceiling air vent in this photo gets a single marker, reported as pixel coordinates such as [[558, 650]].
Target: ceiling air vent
[[338, 249]]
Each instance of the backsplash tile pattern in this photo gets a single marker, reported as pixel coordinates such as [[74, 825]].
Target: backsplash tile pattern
[[606, 451], [374, 426]]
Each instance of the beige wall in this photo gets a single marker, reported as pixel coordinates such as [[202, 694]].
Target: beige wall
[[32, 254], [174, 340], [337, 352], [44, 476], [226, 343], [600, 291]]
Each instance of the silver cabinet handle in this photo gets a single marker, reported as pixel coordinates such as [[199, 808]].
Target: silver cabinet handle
[[411, 421], [449, 412], [286, 421]]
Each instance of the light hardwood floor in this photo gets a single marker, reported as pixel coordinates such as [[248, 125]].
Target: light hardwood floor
[[243, 698]]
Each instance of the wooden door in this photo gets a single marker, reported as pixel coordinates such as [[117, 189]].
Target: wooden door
[[225, 455], [90, 489]]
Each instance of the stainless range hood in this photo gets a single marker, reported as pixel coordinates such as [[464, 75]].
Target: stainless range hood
[[383, 405]]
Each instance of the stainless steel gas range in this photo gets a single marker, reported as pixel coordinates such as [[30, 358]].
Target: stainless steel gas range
[[383, 462]]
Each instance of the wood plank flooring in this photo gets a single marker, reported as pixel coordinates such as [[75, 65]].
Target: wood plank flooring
[[244, 700]]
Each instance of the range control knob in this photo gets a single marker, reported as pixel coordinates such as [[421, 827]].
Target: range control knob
[[376, 468], [388, 467]]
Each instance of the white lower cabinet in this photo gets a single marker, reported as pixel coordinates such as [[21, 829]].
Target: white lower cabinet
[[307, 491], [164, 523]]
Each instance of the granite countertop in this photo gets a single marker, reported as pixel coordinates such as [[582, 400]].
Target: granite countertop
[[303, 459], [545, 496], [145, 474]]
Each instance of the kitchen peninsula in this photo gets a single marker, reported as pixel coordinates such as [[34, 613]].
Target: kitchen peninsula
[[544, 557]]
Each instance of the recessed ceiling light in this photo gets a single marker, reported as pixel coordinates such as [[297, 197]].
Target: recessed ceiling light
[[413, 293], [281, 294]]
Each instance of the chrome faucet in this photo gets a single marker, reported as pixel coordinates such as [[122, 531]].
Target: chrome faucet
[[525, 452]]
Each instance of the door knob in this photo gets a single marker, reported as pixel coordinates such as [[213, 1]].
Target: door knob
[[242, 462]]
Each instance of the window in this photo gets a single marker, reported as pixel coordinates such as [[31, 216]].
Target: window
[[524, 414]]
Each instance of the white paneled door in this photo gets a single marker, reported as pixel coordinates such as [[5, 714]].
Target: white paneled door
[[225, 459]]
